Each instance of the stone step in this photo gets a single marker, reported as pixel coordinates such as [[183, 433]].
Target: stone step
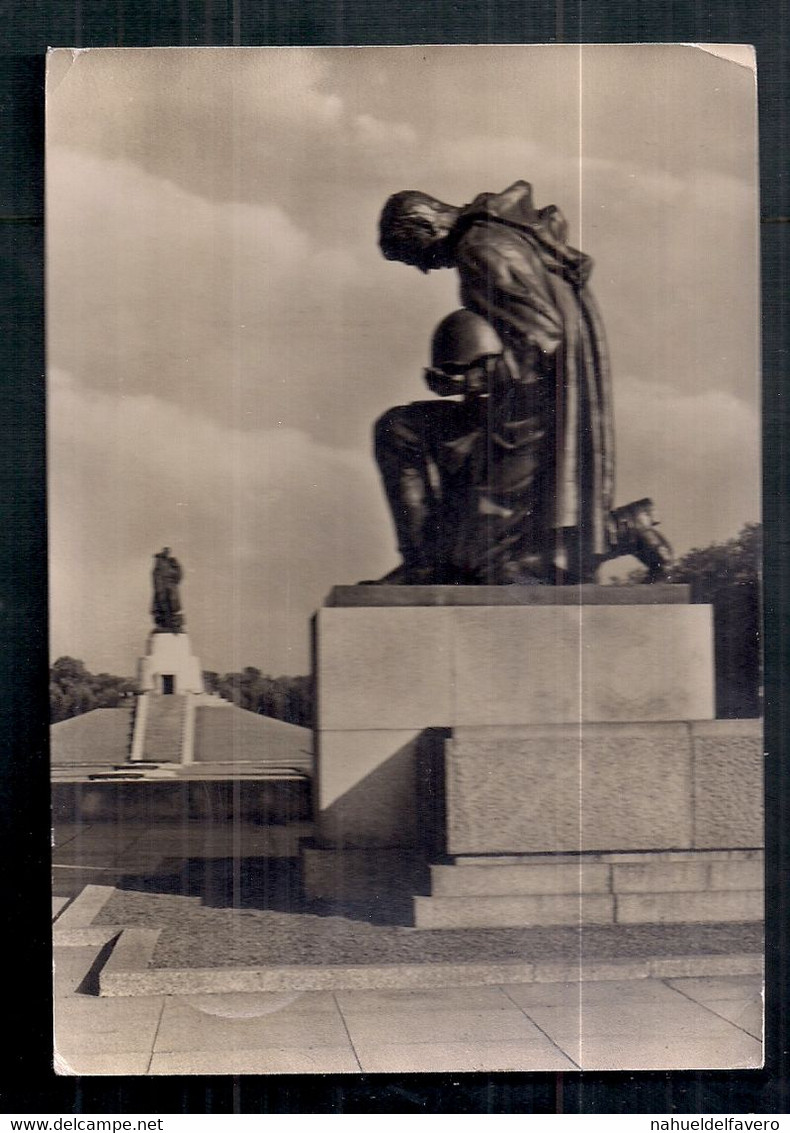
[[164, 729], [653, 874], [565, 909], [512, 912], [555, 878], [689, 908]]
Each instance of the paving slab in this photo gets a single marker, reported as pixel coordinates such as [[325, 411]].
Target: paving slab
[[91, 1025], [422, 999], [457, 1029], [81, 853], [109, 836], [733, 1051], [71, 966], [75, 926], [683, 1020], [264, 1060], [747, 1015], [704, 988], [82, 1064], [184, 1027], [590, 992], [459, 1057], [246, 1005], [97, 935], [438, 1025], [84, 908], [735, 964], [586, 969], [58, 905]]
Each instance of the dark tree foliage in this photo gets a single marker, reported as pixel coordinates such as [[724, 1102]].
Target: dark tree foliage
[[283, 698], [74, 690], [728, 576]]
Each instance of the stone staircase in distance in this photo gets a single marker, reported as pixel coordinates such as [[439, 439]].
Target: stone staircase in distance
[[164, 729]]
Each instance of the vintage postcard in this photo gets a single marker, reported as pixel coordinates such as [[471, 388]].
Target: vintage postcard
[[404, 527]]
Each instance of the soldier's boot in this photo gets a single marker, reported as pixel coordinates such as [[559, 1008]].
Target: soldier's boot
[[412, 503], [403, 575]]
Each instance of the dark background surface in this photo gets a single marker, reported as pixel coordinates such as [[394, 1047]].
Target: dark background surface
[[28, 1083]]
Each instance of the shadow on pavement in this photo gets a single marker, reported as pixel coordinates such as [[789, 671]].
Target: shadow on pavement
[[270, 884]]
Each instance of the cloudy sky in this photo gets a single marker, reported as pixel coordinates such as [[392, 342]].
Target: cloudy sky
[[223, 330]]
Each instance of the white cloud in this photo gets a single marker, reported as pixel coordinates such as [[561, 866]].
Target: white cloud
[[265, 523], [697, 454], [373, 131], [228, 307]]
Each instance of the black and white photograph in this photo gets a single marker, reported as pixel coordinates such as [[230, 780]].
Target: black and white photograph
[[404, 522]]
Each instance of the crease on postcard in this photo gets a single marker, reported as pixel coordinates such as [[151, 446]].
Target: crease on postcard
[[60, 60]]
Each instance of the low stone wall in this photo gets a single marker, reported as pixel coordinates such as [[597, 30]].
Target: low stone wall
[[280, 800]]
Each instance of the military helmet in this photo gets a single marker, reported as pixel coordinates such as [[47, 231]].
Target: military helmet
[[461, 339]]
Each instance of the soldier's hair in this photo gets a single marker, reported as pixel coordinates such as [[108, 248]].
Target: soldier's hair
[[405, 226]]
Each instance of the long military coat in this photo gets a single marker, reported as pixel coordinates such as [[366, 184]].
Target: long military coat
[[518, 272]]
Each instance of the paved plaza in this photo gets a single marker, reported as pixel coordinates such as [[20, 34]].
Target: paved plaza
[[658, 1007], [689, 1023]]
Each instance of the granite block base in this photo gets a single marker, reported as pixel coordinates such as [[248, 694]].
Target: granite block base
[[413, 667], [604, 787]]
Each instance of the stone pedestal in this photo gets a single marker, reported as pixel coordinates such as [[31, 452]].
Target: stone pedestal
[[171, 681], [462, 657], [552, 751], [170, 665]]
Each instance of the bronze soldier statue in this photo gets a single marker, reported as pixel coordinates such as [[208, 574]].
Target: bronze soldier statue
[[514, 483], [166, 605]]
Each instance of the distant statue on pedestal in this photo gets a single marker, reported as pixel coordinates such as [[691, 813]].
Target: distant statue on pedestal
[[166, 605], [514, 481]]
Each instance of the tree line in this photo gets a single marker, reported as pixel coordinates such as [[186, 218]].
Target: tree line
[[728, 575], [283, 698], [74, 690]]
